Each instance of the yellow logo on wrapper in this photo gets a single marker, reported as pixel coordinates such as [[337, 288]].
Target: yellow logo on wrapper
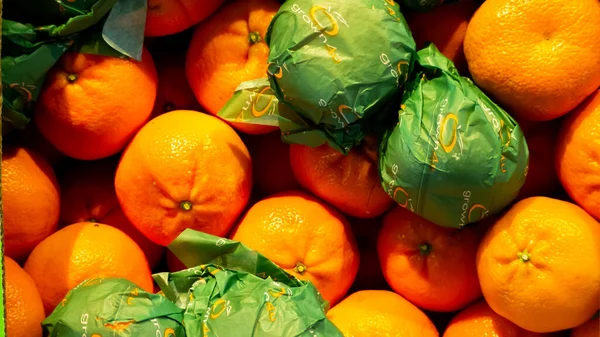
[[256, 112], [448, 144]]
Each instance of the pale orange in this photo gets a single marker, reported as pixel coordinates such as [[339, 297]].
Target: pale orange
[[24, 308]]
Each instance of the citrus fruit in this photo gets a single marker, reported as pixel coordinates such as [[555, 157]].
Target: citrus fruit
[[24, 308], [305, 237], [30, 200], [88, 195], [92, 105], [166, 17], [590, 328], [539, 265], [227, 49], [271, 164], [577, 155], [370, 313], [429, 265], [479, 320], [348, 182], [444, 26], [81, 251], [538, 58], [184, 169]]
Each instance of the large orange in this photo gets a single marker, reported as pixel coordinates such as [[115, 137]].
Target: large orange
[[227, 49], [479, 320], [81, 251], [92, 105], [537, 58], [24, 308], [444, 26], [88, 195], [371, 313], [184, 169], [539, 265], [349, 182], [166, 17], [271, 164], [577, 155], [305, 237], [30, 200], [431, 266], [590, 328]]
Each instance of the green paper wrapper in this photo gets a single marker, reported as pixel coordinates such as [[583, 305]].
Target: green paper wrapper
[[335, 70], [115, 307], [424, 5], [454, 156], [30, 50], [235, 291]]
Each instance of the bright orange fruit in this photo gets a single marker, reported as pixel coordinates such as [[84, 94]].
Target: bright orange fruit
[[24, 308], [166, 17]]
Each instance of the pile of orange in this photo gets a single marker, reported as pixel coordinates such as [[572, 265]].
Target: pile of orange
[[122, 156]]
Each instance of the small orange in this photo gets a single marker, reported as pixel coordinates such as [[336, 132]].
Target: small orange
[[30, 200], [479, 320], [577, 155], [429, 265], [349, 182], [166, 17], [590, 328], [539, 265], [81, 251], [370, 313], [92, 105], [88, 195], [227, 49], [305, 237], [184, 169], [24, 308], [537, 58]]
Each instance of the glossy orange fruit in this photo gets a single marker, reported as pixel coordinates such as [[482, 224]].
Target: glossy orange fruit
[[166, 17], [24, 308]]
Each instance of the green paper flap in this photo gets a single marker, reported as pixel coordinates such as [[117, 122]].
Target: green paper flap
[[454, 156], [124, 27]]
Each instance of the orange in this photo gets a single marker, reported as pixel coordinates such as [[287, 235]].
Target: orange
[[174, 92], [539, 265], [30, 200], [480, 320], [444, 26], [429, 265], [271, 164], [537, 58], [24, 308], [227, 49], [370, 275], [305, 237], [590, 328], [88, 195], [92, 105], [166, 17], [81, 251], [348, 182], [370, 313], [184, 169], [577, 155]]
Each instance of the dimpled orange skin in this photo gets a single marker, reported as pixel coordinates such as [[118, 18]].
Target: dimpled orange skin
[[578, 153], [96, 114], [479, 320], [590, 328], [431, 266], [305, 237], [370, 313], [184, 169], [81, 251], [30, 200], [539, 265], [88, 195], [167, 17], [349, 182], [538, 59], [24, 309], [220, 56]]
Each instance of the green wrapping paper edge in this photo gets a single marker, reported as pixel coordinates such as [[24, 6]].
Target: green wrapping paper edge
[[29, 51], [231, 290], [329, 79], [454, 156]]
